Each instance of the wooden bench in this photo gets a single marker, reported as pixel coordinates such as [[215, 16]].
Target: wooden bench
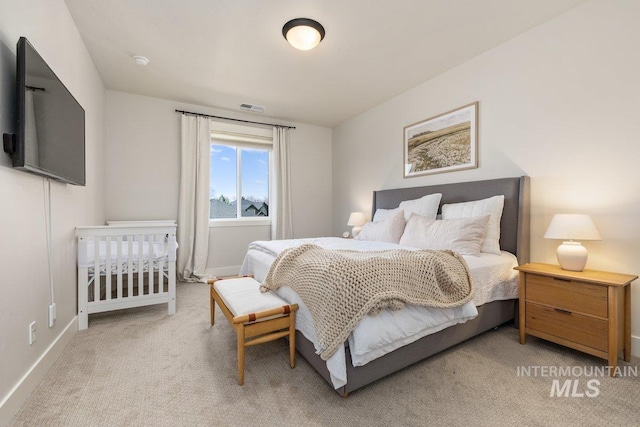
[[256, 317]]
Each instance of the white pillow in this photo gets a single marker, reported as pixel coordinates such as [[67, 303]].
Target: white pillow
[[492, 207], [426, 206], [382, 214], [463, 235], [388, 230]]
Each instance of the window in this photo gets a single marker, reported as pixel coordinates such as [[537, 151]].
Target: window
[[240, 170]]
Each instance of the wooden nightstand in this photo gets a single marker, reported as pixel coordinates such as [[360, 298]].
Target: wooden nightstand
[[589, 311]]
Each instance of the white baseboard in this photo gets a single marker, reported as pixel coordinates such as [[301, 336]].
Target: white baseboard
[[635, 346], [12, 402], [224, 271]]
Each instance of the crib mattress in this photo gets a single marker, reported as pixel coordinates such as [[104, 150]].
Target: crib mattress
[[159, 264], [158, 251]]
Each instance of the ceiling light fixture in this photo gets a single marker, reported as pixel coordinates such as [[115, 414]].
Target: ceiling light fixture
[[141, 60], [303, 33]]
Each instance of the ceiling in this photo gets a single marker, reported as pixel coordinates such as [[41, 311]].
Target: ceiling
[[221, 53]]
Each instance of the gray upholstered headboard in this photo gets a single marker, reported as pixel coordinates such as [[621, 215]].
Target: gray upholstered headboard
[[514, 226]]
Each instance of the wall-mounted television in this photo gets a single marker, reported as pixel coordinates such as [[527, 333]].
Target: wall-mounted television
[[50, 132]]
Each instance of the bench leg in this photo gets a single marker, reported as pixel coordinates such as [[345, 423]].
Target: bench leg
[[292, 339], [240, 332], [212, 305]]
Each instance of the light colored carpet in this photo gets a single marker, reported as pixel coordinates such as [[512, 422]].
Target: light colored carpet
[[143, 368]]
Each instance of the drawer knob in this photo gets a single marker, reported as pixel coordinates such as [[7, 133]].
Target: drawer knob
[[559, 310]]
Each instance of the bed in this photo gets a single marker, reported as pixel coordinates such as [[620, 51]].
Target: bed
[[488, 310], [126, 264]]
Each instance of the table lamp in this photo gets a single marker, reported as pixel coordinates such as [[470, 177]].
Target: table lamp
[[572, 255], [356, 220]]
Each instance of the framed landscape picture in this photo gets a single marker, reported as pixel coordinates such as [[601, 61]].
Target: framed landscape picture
[[444, 143]]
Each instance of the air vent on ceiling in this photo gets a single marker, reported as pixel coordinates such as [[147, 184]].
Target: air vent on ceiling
[[252, 108]]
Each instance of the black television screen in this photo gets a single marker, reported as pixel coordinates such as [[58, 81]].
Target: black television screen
[[50, 139]]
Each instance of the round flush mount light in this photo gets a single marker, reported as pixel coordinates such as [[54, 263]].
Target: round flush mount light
[[303, 33], [141, 60]]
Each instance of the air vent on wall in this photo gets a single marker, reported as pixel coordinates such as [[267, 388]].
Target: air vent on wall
[[252, 108]]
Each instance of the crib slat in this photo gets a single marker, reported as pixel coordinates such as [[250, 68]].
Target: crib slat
[[107, 274], [96, 268], [150, 261], [119, 266], [161, 274], [129, 266], [140, 266]]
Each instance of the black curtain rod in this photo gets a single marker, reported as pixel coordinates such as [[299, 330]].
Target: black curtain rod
[[235, 120]]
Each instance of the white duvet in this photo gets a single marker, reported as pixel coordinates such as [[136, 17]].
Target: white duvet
[[375, 336]]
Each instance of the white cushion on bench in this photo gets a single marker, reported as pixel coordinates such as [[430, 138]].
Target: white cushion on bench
[[243, 296]]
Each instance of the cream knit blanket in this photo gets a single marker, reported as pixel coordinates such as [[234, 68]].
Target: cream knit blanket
[[339, 287]]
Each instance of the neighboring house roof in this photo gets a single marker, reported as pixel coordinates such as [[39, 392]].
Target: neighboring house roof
[[220, 209]]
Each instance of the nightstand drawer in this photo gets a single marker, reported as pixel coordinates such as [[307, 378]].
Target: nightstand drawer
[[570, 295], [573, 327]]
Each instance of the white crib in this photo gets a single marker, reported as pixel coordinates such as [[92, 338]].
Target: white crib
[[126, 264]]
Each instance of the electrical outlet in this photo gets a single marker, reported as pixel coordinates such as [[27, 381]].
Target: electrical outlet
[[32, 332], [52, 314]]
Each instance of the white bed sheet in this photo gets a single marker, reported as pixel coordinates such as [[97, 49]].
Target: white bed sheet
[[375, 336]]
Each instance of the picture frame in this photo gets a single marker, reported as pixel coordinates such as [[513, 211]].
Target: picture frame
[[444, 143]]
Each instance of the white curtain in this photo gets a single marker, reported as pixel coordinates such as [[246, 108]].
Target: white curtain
[[280, 203], [193, 203]]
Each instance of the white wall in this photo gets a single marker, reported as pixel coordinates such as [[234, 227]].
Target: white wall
[[558, 103], [143, 169], [23, 257]]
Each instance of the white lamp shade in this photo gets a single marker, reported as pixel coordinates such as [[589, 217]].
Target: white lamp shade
[[572, 227], [356, 219], [572, 255]]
